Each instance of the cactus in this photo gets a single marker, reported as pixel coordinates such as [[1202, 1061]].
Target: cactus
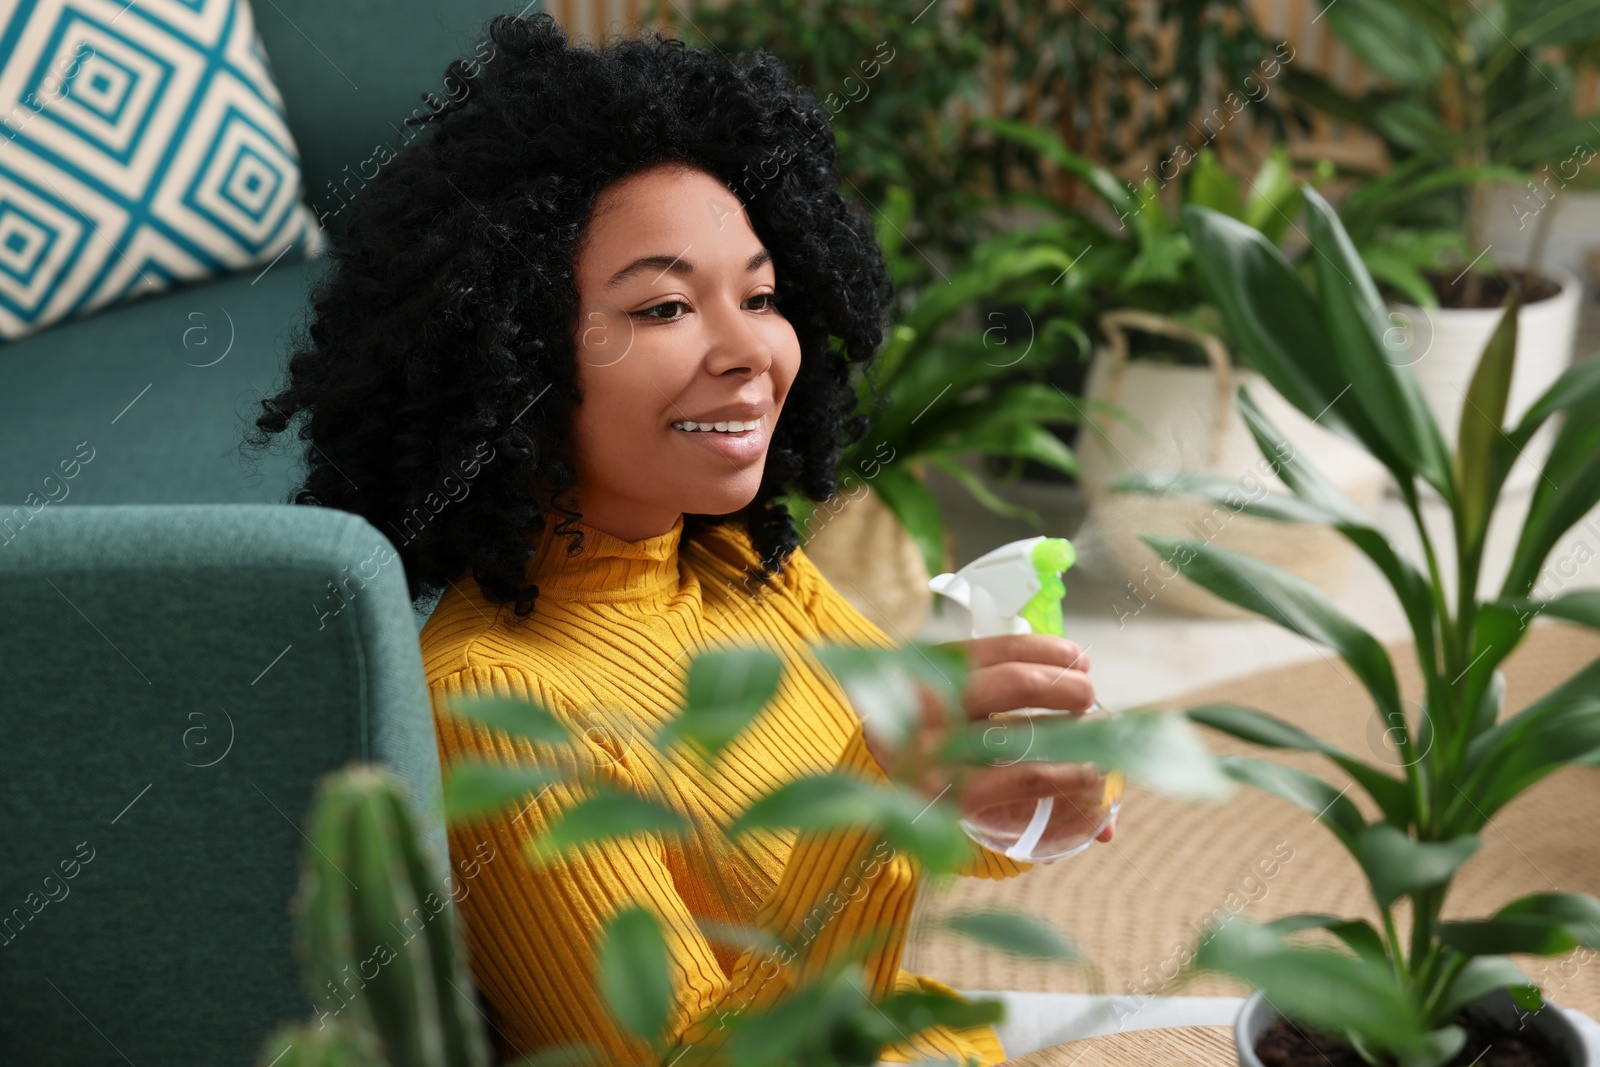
[[377, 937]]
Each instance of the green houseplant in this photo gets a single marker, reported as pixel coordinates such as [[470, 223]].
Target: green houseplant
[[378, 937], [1321, 346], [1475, 104], [1476, 94]]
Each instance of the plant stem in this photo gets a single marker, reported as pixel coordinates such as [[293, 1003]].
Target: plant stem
[[1447, 976], [1397, 959], [1425, 904], [1426, 803]]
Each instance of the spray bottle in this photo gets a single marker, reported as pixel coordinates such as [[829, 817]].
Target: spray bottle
[[1017, 589]]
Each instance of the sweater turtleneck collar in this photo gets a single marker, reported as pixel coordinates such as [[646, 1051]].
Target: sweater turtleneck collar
[[608, 568]]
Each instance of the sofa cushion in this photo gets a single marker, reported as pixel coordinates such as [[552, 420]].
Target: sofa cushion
[[147, 148], [158, 392]]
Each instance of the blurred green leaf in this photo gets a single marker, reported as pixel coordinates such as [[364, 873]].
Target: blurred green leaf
[[726, 689], [1356, 318], [1213, 187], [1325, 989], [473, 787], [608, 813], [1357, 934], [1482, 414], [1390, 40], [527, 719], [1477, 978], [1275, 199], [1397, 865], [634, 971], [1156, 749]]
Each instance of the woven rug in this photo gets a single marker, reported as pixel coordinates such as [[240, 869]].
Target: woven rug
[[1135, 905]]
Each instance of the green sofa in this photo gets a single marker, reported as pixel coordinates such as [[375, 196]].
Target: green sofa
[[178, 670]]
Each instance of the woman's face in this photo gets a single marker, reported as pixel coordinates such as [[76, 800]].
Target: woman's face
[[676, 323]]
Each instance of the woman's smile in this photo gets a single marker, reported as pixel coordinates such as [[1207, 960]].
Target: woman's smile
[[740, 447]]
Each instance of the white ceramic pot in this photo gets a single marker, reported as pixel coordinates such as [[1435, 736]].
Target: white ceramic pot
[[1552, 1021], [1442, 347]]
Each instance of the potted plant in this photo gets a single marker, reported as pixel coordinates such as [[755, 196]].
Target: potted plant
[[1321, 346], [1473, 98], [378, 937], [1137, 279]]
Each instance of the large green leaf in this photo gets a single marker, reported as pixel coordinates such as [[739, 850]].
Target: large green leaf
[[1477, 978], [1275, 320], [725, 690], [1567, 489], [1357, 934], [635, 975], [1483, 412], [1582, 607], [1542, 924], [1522, 750], [1397, 864], [1292, 603], [1356, 319], [1328, 990], [1260, 728]]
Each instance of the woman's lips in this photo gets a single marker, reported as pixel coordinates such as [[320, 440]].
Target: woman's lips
[[738, 447]]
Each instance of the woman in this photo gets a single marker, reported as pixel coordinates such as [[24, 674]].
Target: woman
[[574, 351]]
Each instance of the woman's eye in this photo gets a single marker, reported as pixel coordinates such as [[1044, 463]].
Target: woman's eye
[[771, 304], [649, 313]]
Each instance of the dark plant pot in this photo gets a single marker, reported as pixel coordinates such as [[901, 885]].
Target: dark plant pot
[[1552, 1021]]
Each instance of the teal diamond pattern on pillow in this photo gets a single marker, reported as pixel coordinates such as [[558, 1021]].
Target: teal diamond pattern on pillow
[[142, 146]]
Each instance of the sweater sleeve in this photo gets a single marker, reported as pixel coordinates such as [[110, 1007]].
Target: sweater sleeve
[[532, 930], [837, 619]]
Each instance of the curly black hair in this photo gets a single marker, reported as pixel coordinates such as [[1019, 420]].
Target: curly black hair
[[441, 339]]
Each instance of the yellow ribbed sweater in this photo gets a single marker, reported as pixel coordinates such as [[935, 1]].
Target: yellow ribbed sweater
[[607, 649]]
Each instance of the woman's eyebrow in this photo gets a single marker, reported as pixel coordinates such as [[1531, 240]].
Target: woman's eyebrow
[[675, 265]]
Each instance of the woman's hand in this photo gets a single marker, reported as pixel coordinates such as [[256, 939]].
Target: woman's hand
[[1006, 672]]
